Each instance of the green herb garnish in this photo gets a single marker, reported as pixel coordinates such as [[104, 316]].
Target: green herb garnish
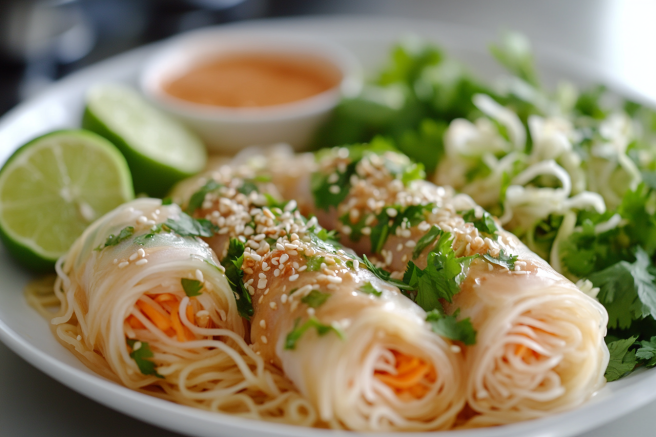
[[113, 240], [141, 357], [449, 327], [315, 298], [298, 331], [197, 199], [191, 287], [232, 264], [503, 259], [368, 288]]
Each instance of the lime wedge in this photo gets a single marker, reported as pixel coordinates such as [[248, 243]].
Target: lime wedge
[[159, 150], [52, 188]]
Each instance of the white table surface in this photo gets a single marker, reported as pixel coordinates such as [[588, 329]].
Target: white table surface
[[615, 34]]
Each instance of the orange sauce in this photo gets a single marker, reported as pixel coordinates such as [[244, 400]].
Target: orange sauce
[[254, 80]]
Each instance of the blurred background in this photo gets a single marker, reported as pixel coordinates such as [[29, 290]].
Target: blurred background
[[44, 40]]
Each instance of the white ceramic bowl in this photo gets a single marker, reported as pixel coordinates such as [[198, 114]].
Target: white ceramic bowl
[[227, 130]]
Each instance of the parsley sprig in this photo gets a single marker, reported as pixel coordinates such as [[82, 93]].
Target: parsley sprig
[[141, 357], [232, 264], [297, 332]]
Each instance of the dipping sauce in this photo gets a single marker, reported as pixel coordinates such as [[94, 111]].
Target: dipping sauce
[[254, 80]]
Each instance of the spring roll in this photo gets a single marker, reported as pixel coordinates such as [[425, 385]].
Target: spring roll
[[146, 303], [354, 346], [540, 346]]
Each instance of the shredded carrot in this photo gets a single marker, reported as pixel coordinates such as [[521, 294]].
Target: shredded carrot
[[155, 316], [164, 297], [410, 371], [134, 322], [190, 315]]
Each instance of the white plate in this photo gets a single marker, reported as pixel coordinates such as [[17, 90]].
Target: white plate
[[27, 334]]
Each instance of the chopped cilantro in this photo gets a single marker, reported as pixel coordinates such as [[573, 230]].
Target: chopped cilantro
[[167, 201], [191, 287], [485, 224], [327, 245], [330, 194], [312, 322], [627, 290], [145, 238], [197, 199], [113, 240], [314, 263], [426, 240], [186, 226], [647, 352], [232, 264], [622, 361], [141, 355], [413, 172], [503, 259], [451, 328], [293, 290], [442, 277], [386, 225], [384, 275], [315, 298], [369, 288], [247, 187]]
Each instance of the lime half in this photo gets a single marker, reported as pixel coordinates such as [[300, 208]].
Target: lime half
[[159, 150], [52, 188]]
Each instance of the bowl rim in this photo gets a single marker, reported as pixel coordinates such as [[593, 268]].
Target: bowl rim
[[161, 63]]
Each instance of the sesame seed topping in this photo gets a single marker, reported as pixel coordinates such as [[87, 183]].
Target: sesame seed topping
[[334, 189], [261, 284], [273, 305], [199, 275], [263, 323], [310, 311], [123, 264], [142, 253], [133, 256], [283, 298], [292, 278], [264, 339], [141, 262]]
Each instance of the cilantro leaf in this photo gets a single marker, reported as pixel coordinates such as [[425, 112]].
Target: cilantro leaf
[[298, 331], [315, 298], [327, 245], [384, 275], [622, 361], [356, 228], [141, 355], [142, 240], [314, 263], [327, 194], [451, 328], [167, 201], [196, 200], [186, 226], [426, 240], [627, 290], [503, 259], [232, 264], [191, 287], [485, 224], [386, 225], [647, 352], [369, 288], [442, 276], [247, 187], [113, 240]]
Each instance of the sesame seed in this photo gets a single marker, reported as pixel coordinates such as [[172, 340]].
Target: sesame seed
[[310, 311], [334, 279], [276, 272], [249, 282], [199, 275], [263, 323], [455, 349], [292, 278], [262, 276], [142, 253], [295, 264], [284, 258], [293, 252], [136, 346], [489, 267], [141, 262], [283, 298], [300, 269], [123, 264], [331, 287], [334, 189], [399, 247], [133, 256], [266, 292], [264, 339], [291, 205], [356, 264], [79, 338], [370, 219], [366, 231], [260, 299], [273, 305], [261, 284], [334, 177], [115, 261], [391, 212], [410, 243], [142, 219]]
